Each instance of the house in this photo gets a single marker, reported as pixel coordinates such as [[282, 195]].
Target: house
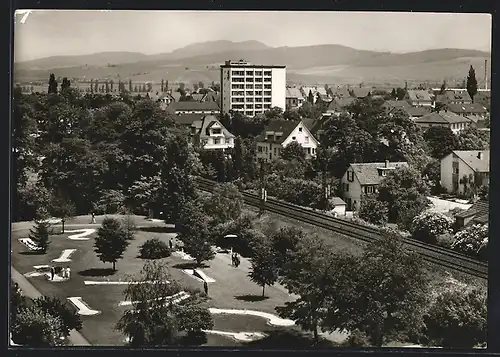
[[206, 130], [413, 112], [417, 112], [444, 118], [279, 133], [294, 98], [417, 98], [338, 206], [473, 165], [305, 90], [454, 97], [211, 96], [363, 178], [477, 121], [337, 105], [340, 92], [360, 93], [197, 97], [192, 107], [468, 109], [396, 104], [478, 213]]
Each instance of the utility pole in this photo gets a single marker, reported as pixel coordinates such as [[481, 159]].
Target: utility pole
[[263, 191], [326, 189]]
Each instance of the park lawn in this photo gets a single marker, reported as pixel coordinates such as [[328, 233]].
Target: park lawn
[[232, 288]]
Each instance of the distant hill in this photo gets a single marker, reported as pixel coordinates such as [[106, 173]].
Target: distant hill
[[306, 64]]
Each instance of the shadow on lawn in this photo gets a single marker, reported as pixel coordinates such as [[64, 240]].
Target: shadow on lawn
[[157, 229], [289, 339], [251, 298], [32, 252], [97, 272], [190, 266]]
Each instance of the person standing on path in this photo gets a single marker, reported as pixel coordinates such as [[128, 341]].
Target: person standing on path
[[68, 272], [52, 272], [205, 287], [93, 218], [170, 244]]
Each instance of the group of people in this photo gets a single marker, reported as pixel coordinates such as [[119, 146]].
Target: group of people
[[65, 272], [235, 260]]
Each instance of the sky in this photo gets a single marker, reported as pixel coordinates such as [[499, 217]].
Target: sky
[[47, 33]]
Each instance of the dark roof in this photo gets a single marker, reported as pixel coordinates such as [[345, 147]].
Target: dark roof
[[479, 210], [367, 173], [191, 105], [396, 104], [337, 104], [197, 96], [187, 119], [340, 92], [470, 157], [419, 95], [208, 121], [417, 111], [442, 117], [176, 96], [282, 126], [450, 96], [467, 108], [211, 97], [294, 92], [337, 201], [313, 125]]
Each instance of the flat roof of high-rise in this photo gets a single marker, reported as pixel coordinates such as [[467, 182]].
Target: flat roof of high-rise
[[244, 64]]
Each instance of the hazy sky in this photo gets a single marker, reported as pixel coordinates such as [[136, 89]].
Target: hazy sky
[[48, 33]]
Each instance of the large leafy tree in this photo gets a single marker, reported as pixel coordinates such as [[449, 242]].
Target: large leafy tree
[[284, 242], [225, 204], [35, 327], [427, 226], [111, 241], [264, 270], [156, 320], [472, 139], [52, 84], [62, 208], [192, 227], [144, 193], [390, 293], [322, 280], [471, 83], [55, 307], [457, 318], [372, 210], [441, 141], [293, 151], [405, 193]]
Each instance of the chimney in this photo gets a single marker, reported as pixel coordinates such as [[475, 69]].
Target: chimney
[[386, 163], [480, 155]]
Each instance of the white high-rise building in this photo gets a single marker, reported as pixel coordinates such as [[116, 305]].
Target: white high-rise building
[[252, 89]]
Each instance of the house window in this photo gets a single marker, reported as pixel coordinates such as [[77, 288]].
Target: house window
[[216, 131], [346, 187], [369, 189], [274, 151], [350, 176], [300, 129], [293, 137], [306, 139], [314, 150], [309, 151], [455, 167], [216, 141], [259, 149]]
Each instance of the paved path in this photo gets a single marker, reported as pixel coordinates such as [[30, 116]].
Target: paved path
[[75, 338]]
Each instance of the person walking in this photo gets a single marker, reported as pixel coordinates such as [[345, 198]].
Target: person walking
[[237, 260], [68, 272], [170, 244], [93, 218], [52, 272], [205, 287]]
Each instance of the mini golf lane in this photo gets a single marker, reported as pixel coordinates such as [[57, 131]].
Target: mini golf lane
[[238, 336], [271, 319], [65, 255], [106, 282], [83, 308], [83, 235]]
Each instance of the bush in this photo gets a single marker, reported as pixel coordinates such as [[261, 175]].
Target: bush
[[300, 192], [473, 240], [445, 240], [427, 226], [373, 210], [154, 249]]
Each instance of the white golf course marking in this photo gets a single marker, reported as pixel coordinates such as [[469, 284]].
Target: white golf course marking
[[271, 319], [83, 235], [64, 258], [29, 243], [200, 277], [239, 336], [91, 282], [183, 255], [170, 299], [83, 308]]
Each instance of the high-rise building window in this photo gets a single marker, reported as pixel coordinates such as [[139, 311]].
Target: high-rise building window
[[249, 73], [267, 79], [267, 73]]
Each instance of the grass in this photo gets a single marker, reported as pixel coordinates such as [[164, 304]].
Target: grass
[[231, 283]]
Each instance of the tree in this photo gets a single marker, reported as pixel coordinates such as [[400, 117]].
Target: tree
[[137, 89], [144, 193], [274, 113], [472, 139], [110, 202], [285, 242], [472, 83], [310, 97], [373, 211], [17, 301], [155, 321], [192, 230], [457, 318], [107, 86], [62, 208], [390, 293], [393, 93], [263, 270], [427, 226], [52, 84], [292, 151], [96, 88], [225, 204], [443, 88], [68, 317], [111, 242], [91, 86], [130, 86], [149, 87], [321, 279], [441, 141], [40, 234], [34, 327], [405, 193], [400, 93], [65, 84], [143, 88], [154, 249], [472, 240]]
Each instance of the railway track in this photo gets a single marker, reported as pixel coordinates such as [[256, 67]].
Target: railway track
[[441, 256]]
